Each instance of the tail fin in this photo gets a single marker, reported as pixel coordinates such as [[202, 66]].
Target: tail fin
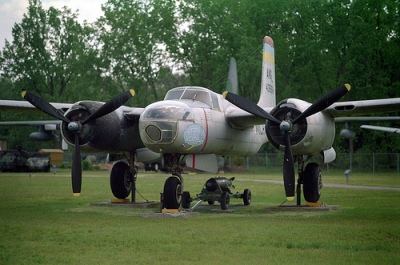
[[267, 95], [232, 84]]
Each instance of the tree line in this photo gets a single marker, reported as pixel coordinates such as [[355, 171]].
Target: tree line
[[155, 45]]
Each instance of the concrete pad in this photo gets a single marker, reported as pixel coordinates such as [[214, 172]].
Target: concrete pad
[[302, 208], [128, 204], [170, 215]]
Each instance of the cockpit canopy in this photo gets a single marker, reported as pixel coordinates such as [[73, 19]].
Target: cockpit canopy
[[194, 93], [171, 110]]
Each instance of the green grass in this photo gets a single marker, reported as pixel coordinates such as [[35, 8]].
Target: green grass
[[41, 223]]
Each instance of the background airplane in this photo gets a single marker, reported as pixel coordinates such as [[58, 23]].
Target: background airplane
[[194, 124], [381, 128]]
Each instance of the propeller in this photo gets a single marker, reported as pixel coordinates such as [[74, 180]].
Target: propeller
[[286, 126], [77, 126]]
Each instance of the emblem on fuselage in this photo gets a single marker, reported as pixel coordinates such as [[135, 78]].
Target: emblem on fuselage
[[194, 135]]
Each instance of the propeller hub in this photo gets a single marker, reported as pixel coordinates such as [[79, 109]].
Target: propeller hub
[[285, 126], [74, 127]]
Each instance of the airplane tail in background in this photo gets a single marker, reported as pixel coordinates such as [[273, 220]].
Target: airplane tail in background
[[267, 95], [232, 84]]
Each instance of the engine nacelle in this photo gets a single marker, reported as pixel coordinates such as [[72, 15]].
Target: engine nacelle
[[112, 132], [41, 136], [309, 136], [44, 133]]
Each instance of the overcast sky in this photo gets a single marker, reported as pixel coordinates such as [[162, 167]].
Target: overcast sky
[[11, 12]]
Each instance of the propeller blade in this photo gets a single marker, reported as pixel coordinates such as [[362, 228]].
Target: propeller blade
[[44, 106], [324, 102], [288, 170], [110, 106], [76, 168], [249, 106]]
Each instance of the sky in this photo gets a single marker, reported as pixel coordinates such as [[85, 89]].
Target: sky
[[11, 12]]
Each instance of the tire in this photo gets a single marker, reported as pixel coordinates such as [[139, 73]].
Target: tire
[[312, 182], [172, 193], [246, 197], [225, 200], [121, 180], [211, 202], [186, 200]]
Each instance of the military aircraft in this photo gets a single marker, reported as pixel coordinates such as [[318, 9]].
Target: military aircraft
[[193, 125]]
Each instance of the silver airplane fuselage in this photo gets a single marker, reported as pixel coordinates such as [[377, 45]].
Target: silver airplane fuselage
[[191, 120]]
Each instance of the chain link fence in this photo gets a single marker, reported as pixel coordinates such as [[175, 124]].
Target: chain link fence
[[360, 162]]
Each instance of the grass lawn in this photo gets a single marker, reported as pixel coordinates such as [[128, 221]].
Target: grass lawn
[[42, 223]]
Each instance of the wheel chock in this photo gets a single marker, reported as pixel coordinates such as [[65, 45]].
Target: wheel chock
[[170, 210], [116, 200], [315, 204]]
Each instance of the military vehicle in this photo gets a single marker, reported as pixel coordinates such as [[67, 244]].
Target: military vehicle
[[14, 160], [216, 189], [23, 161], [39, 162]]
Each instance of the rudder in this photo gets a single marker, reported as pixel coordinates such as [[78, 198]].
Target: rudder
[[267, 95]]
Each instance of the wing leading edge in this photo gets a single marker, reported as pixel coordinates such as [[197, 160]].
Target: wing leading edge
[[363, 107]]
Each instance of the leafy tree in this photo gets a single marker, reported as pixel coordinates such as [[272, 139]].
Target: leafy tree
[[44, 56], [134, 35], [319, 44]]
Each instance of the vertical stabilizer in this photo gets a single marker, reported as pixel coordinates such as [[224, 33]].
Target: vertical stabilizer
[[267, 95], [232, 84]]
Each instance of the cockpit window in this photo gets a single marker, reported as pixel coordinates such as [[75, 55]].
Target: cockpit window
[[167, 111], [174, 94], [192, 93]]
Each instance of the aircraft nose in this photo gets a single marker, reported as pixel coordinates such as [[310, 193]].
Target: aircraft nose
[[158, 124]]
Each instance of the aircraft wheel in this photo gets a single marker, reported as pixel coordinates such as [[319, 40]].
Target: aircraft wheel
[[186, 200], [246, 197], [312, 183], [121, 180], [172, 193], [225, 200]]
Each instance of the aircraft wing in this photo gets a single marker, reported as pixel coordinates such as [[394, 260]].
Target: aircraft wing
[[17, 105], [366, 119], [31, 123], [25, 106], [363, 107], [380, 128]]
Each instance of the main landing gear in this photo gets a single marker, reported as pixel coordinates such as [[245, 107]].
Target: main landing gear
[[311, 178], [123, 179]]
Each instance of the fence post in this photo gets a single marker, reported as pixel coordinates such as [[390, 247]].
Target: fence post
[[266, 162], [373, 163]]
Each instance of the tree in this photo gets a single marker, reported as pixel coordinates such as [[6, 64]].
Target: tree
[[134, 35], [46, 51]]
